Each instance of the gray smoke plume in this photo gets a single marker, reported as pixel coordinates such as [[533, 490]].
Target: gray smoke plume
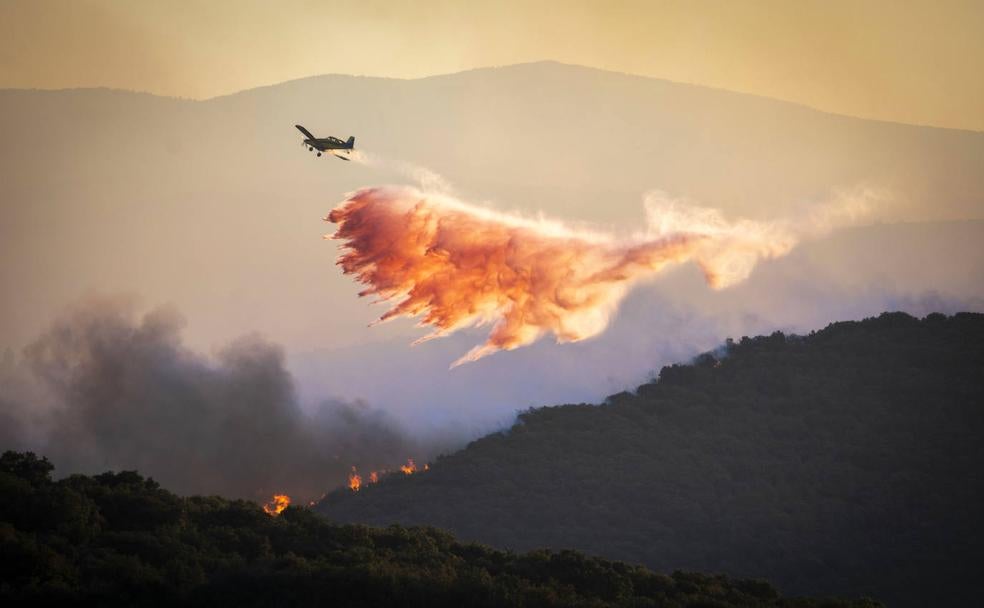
[[114, 390]]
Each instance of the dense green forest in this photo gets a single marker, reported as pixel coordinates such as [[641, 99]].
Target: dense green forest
[[847, 461], [120, 539]]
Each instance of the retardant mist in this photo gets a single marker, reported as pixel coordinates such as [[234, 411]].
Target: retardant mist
[[456, 265]]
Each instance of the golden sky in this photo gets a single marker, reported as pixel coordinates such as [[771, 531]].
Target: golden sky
[[909, 61]]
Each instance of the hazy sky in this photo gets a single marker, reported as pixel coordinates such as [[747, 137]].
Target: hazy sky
[[916, 62]]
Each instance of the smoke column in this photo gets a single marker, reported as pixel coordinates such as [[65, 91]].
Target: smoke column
[[107, 388], [457, 265]]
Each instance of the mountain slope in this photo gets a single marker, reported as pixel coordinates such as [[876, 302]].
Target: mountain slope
[[117, 539], [843, 462]]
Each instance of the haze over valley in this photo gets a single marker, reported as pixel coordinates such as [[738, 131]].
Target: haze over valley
[[217, 207]]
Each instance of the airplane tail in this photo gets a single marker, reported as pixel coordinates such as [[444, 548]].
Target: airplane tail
[[350, 142]]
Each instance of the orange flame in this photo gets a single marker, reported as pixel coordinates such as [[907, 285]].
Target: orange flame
[[409, 468], [277, 505], [456, 265], [354, 480]]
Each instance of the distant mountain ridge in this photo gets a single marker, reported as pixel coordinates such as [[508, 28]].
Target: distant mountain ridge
[[549, 63], [842, 462]]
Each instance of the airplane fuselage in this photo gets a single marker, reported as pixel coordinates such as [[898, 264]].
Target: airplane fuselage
[[327, 144]]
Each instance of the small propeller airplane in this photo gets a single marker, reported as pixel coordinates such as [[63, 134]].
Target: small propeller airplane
[[327, 144]]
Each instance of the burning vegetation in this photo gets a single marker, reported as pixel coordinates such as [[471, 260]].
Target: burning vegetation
[[276, 506], [355, 481], [409, 468]]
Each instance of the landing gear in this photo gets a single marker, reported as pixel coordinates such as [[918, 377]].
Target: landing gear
[[319, 153]]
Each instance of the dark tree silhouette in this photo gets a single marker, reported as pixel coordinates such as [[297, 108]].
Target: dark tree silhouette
[[118, 539]]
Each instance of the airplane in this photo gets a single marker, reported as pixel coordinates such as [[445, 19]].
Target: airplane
[[327, 144]]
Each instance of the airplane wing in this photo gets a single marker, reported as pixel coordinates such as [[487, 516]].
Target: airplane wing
[[305, 132]]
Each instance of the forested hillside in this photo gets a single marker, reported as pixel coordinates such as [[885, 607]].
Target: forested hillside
[[118, 539], [847, 461]]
